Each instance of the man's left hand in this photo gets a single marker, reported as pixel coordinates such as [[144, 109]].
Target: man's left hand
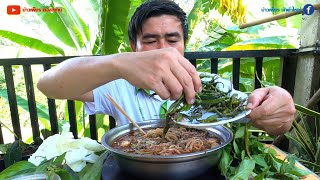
[[272, 109]]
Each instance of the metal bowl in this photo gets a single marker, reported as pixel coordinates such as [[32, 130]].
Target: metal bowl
[[166, 167]]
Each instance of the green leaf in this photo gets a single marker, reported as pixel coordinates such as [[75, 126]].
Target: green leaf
[[259, 160], [13, 154], [278, 4], [44, 166], [64, 174], [58, 161], [225, 161], [115, 28], [307, 111], [193, 16], [54, 23], [276, 163], [4, 147], [244, 170], [239, 133], [262, 174], [78, 28], [94, 172], [272, 42], [291, 168], [31, 43], [18, 168]]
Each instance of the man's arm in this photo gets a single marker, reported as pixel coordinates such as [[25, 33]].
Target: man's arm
[[164, 71]]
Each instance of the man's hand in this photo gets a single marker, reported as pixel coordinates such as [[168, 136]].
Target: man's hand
[[164, 71], [272, 109]]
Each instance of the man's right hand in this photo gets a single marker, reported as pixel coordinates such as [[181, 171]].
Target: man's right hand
[[165, 71]]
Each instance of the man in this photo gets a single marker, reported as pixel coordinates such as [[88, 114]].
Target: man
[[158, 32]]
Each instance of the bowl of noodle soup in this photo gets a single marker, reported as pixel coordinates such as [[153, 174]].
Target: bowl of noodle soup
[[183, 153]]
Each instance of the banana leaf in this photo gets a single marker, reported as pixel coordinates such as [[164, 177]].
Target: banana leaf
[[78, 29], [31, 43], [115, 28], [54, 23], [272, 42]]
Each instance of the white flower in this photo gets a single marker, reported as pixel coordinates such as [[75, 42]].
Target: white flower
[[78, 151]]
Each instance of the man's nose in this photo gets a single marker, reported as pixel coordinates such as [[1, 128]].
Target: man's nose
[[163, 44]]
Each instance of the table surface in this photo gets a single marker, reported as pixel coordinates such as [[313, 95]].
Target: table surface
[[111, 171]]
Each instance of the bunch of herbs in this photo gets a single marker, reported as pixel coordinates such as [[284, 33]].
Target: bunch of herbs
[[248, 158]]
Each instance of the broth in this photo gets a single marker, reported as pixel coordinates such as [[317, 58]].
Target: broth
[[178, 140]]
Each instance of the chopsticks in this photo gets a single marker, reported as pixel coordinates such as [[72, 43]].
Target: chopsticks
[[124, 113]]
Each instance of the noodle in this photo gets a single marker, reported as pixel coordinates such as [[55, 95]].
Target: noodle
[[178, 140]]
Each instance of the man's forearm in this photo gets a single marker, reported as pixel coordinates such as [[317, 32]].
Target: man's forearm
[[77, 76]]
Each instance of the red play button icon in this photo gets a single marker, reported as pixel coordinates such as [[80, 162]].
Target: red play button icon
[[13, 9]]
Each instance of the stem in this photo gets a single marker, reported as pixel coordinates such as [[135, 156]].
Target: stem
[[9, 130], [246, 140]]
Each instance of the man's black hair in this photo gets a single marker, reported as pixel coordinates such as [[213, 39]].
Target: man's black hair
[[155, 8]]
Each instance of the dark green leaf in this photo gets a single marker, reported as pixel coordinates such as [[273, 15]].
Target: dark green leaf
[[13, 154], [262, 174]]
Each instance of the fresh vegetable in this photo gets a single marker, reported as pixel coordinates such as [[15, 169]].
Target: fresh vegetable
[[215, 97]]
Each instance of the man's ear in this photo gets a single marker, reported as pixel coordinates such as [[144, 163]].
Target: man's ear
[[133, 46]]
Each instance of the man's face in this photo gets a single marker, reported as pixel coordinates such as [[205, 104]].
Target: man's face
[[160, 32]]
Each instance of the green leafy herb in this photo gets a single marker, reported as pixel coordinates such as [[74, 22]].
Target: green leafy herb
[[237, 162]]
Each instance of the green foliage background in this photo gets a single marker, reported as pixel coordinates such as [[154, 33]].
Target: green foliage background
[[98, 27]]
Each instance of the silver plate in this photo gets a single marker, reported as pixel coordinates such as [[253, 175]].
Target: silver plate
[[221, 121]]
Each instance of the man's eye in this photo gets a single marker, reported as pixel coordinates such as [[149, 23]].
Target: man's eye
[[172, 41], [150, 42]]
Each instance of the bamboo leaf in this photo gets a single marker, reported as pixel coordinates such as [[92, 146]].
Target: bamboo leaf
[[31, 43], [54, 23]]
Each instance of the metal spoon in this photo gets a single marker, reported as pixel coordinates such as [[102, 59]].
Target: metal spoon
[[124, 113]]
